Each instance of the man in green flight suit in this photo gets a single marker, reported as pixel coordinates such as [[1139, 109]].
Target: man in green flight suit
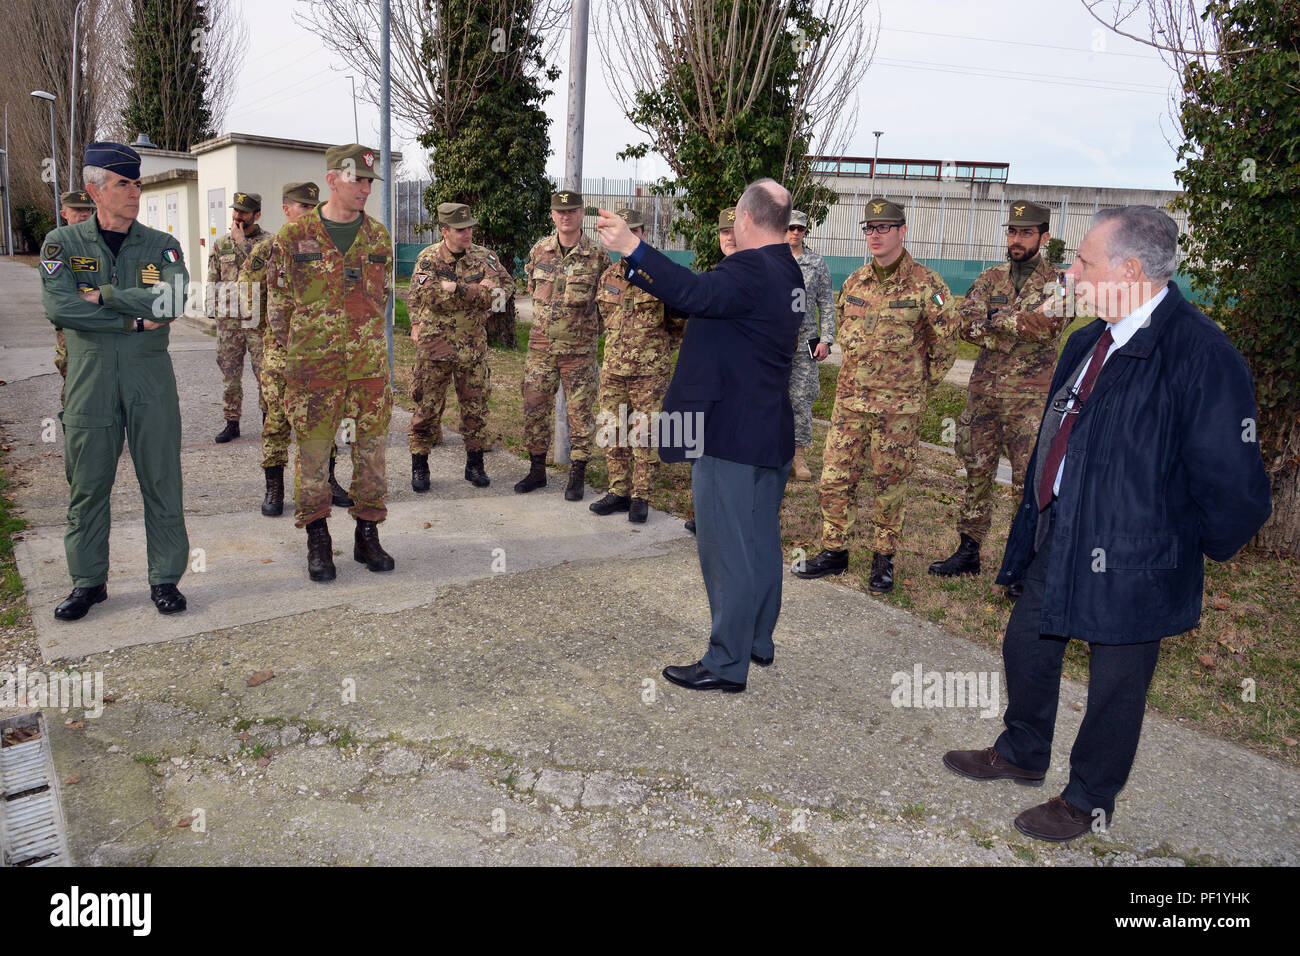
[[114, 285]]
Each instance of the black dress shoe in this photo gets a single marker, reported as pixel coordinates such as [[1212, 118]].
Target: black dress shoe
[[827, 562], [1015, 589], [696, 677], [690, 526], [229, 433], [638, 511], [610, 503], [166, 598], [76, 604], [762, 661], [882, 573]]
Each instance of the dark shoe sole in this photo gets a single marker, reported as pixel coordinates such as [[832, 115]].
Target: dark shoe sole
[[272, 512], [1023, 781], [78, 617], [523, 487], [1050, 839], [637, 519], [329, 575], [378, 570], [878, 590], [725, 688], [952, 574], [479, 484], [761, 661], [175, 610], [813, 575], [573, 495]]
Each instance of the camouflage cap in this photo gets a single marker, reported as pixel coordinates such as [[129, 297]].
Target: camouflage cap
[[307, 193], [566, 199], [247, 202], [362, 161], [455, 215], [880, 209], [77, 199], [727, 218], [633, 218], [798, 218], [1026, 213]]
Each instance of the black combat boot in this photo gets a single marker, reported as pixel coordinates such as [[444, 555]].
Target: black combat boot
[[577, 481], [882, 572], [610, 503], [340, 497], [273, 503], [367, 550], [638, 511], [965, 560], [474, 472], [420, 473], [827, 562], [229, 433], [320, 551], [536, 477]]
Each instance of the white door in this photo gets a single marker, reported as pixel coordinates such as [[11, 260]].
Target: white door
[[173, 212], [216, 219], [151, 212]]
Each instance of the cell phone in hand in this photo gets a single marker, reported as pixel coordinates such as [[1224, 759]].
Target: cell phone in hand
[[812, 346]]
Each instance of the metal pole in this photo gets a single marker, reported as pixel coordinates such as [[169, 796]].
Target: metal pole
[[386, 191], [572, 176], [939, 254], [970, 226], [876, 159], [54, 164], [72, 105], [9, 223], [356, 127]]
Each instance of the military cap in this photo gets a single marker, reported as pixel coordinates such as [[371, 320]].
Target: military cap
[[633, 218], [354, 158], [455, 215], [247, 202], [566, 199], [114, 157], [77, 199], [307, 193], [880, 209], [798, 218], [727, 218], [1026, 213]]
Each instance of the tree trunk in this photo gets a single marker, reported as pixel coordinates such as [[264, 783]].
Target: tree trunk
[[1281, 532]]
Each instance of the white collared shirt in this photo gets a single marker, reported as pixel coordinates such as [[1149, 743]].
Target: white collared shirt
[[1120, 333]]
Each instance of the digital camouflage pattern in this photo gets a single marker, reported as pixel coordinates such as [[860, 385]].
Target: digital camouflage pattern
[[276, 430], [562, 342], [641, 334], [1008, 386], [326, 310], [898, 337], [235, 335], [819, 322], [451, 339]]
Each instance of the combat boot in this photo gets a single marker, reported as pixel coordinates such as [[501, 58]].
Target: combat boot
[[882, 572], [638, 511], [965, 560], [367, 550], [273, 503], [474, 472], [229, 433], [611, 503], [320, 551], [826, 562], [536, 477], [573, 491], [799, 469], [340, 497], [420, 473]]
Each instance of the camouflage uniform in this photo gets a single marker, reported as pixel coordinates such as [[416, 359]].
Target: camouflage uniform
[[451, 340], [234, 336], [326, 309], [898, 337], [641, 335], [819, 305], [1008, 384], [61, 359], [562, 342]]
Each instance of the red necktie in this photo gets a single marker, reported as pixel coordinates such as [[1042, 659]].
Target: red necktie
[[1057, 453]]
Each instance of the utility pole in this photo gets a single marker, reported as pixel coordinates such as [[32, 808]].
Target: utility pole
[[386, 191], [572, 174], [72, 104], [356, 127]]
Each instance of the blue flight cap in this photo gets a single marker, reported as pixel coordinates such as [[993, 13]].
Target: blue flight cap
[[115, 157]]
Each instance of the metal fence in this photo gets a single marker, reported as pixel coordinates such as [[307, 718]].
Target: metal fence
[[938, 227]]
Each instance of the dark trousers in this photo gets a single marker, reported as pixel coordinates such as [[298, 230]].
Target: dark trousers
[[738, 533], [1118, 678]]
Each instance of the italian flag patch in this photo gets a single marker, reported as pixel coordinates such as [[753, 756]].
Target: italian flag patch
[[938, 298]]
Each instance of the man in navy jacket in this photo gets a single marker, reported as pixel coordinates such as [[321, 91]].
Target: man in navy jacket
[[728, 407], [1146, 460]]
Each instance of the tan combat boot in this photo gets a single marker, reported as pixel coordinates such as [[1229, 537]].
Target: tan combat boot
[[800, 468]]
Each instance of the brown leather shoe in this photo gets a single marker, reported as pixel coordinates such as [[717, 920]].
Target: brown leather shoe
[[987, 765], [1056, 821]]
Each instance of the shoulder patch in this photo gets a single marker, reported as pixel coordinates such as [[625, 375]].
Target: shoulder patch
[[256, 263], [172, 255], [84, 263], [52, 250], [51, 266], [938, 298]]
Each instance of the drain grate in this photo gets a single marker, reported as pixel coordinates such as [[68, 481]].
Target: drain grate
[[32, 831]]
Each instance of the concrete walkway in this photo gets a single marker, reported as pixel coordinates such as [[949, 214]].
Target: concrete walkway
[[460, 712]]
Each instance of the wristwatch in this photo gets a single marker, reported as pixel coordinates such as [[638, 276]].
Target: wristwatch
[[139, 324]]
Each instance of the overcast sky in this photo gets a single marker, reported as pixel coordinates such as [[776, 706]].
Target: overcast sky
[[1040, 86]]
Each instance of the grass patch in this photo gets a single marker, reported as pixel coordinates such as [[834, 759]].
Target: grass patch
[[13, 598]]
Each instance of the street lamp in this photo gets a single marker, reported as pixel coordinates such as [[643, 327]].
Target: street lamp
[[72, 103], [54, 151], [878, 133]]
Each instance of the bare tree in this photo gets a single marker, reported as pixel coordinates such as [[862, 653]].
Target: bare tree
[[433, 75], [729, 51]]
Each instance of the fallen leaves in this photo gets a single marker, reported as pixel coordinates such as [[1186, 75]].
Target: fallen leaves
[[186, 821], [259, 677], [1207, 661], [74, 779]]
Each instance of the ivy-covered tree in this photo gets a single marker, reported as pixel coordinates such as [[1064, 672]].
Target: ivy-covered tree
[[1241, 173], [168, 98]]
